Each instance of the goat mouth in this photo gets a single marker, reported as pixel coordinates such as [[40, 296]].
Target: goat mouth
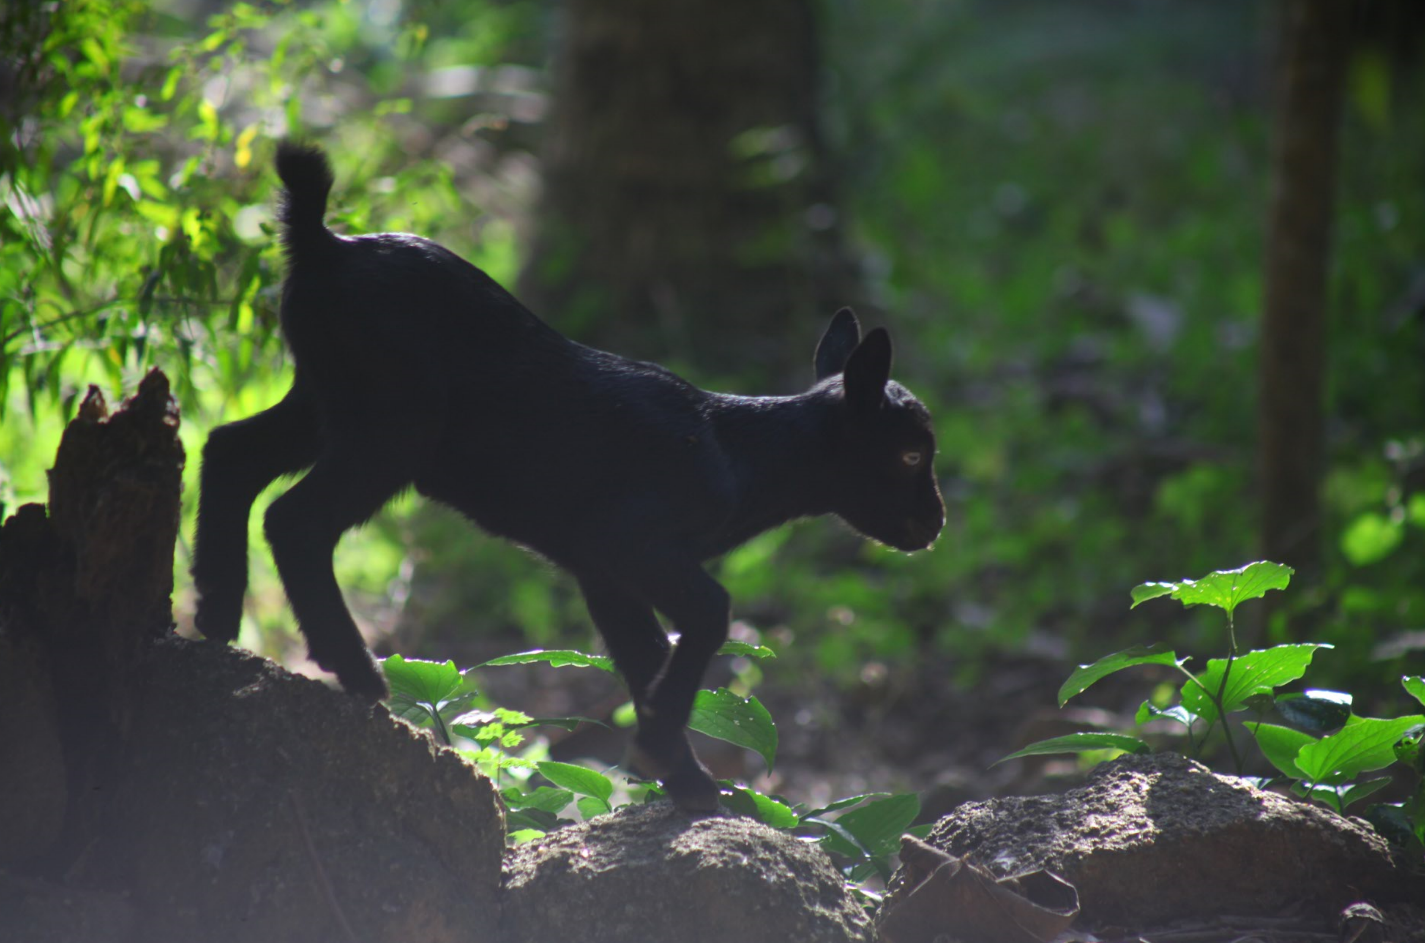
[[915, 538], [922, 535]]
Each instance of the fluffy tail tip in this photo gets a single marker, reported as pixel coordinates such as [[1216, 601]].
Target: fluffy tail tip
[[306, 176]]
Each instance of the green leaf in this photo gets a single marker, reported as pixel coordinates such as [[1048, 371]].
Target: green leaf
[[1146, 712], [522, 836], [517, 819], [545, 798], [1146, 591], [845, 803], [877, 826], [1364, 744], [1358, 791], [765, 809], [428, 682], [1225, 589], [1408, 751], [1085, 675], [557, 658], [589, 807], [585, 782], [1415, 687], [745, 650], [1325, 794], [1317, 711], [1253, 673], [740, 720], [1280, 745], [425, 692], [1079, 743]]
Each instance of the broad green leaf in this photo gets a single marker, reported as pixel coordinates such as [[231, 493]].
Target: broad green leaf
[[1325, 794], [845, 803], [1085, 675], [1415, 687], [589, 807], [1225, 589], [764, 809], [428, 682], [1364, 744], [1253, 673], [517, 819], [1280, 745], [1079, 743], [1358, 791], [545, 798], [877, 826], [585, 782], [522, 836], [847, 844], [746, 650], [1146, 591], [558, 658], [426, 691], [740, 720]]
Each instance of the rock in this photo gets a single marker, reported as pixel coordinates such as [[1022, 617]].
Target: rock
[[40, 912], [1155, 838], [650, 873], [252, 804]]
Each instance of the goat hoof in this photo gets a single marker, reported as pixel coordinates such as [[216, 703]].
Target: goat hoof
[[217, 618], [360, 677], [693, 789], [686, 780]]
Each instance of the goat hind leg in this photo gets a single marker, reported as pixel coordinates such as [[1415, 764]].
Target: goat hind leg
[[240, 459]]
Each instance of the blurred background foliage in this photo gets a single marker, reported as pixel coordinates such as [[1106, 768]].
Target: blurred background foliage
[[1057, 208]]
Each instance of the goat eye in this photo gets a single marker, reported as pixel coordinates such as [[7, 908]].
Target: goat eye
[[910, 458]]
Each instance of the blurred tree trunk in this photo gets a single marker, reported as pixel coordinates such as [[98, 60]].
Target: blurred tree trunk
[[1291, 425], [688, 208]]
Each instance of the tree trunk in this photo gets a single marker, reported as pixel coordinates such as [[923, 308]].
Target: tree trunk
[[688, 208], [1292, 379]]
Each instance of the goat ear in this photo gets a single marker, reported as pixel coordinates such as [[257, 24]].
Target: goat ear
[[841, 337], [867, 370]]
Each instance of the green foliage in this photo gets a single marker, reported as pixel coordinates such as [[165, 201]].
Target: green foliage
[[738, 720], [1325, 751], [864, 832], [1224, 589]]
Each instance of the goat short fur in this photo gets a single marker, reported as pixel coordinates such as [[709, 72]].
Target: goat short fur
[[413, 367]]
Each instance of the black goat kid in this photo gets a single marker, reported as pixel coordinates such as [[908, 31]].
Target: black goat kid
[[413, 367]]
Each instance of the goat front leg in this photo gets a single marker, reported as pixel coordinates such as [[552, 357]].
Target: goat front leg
[[640, 648], [347, 485], [698, 607], [239, 460]]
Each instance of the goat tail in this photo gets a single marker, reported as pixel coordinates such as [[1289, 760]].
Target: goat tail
[[306, 176]]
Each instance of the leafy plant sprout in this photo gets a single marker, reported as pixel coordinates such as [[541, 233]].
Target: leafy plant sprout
[[1326, 747]]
